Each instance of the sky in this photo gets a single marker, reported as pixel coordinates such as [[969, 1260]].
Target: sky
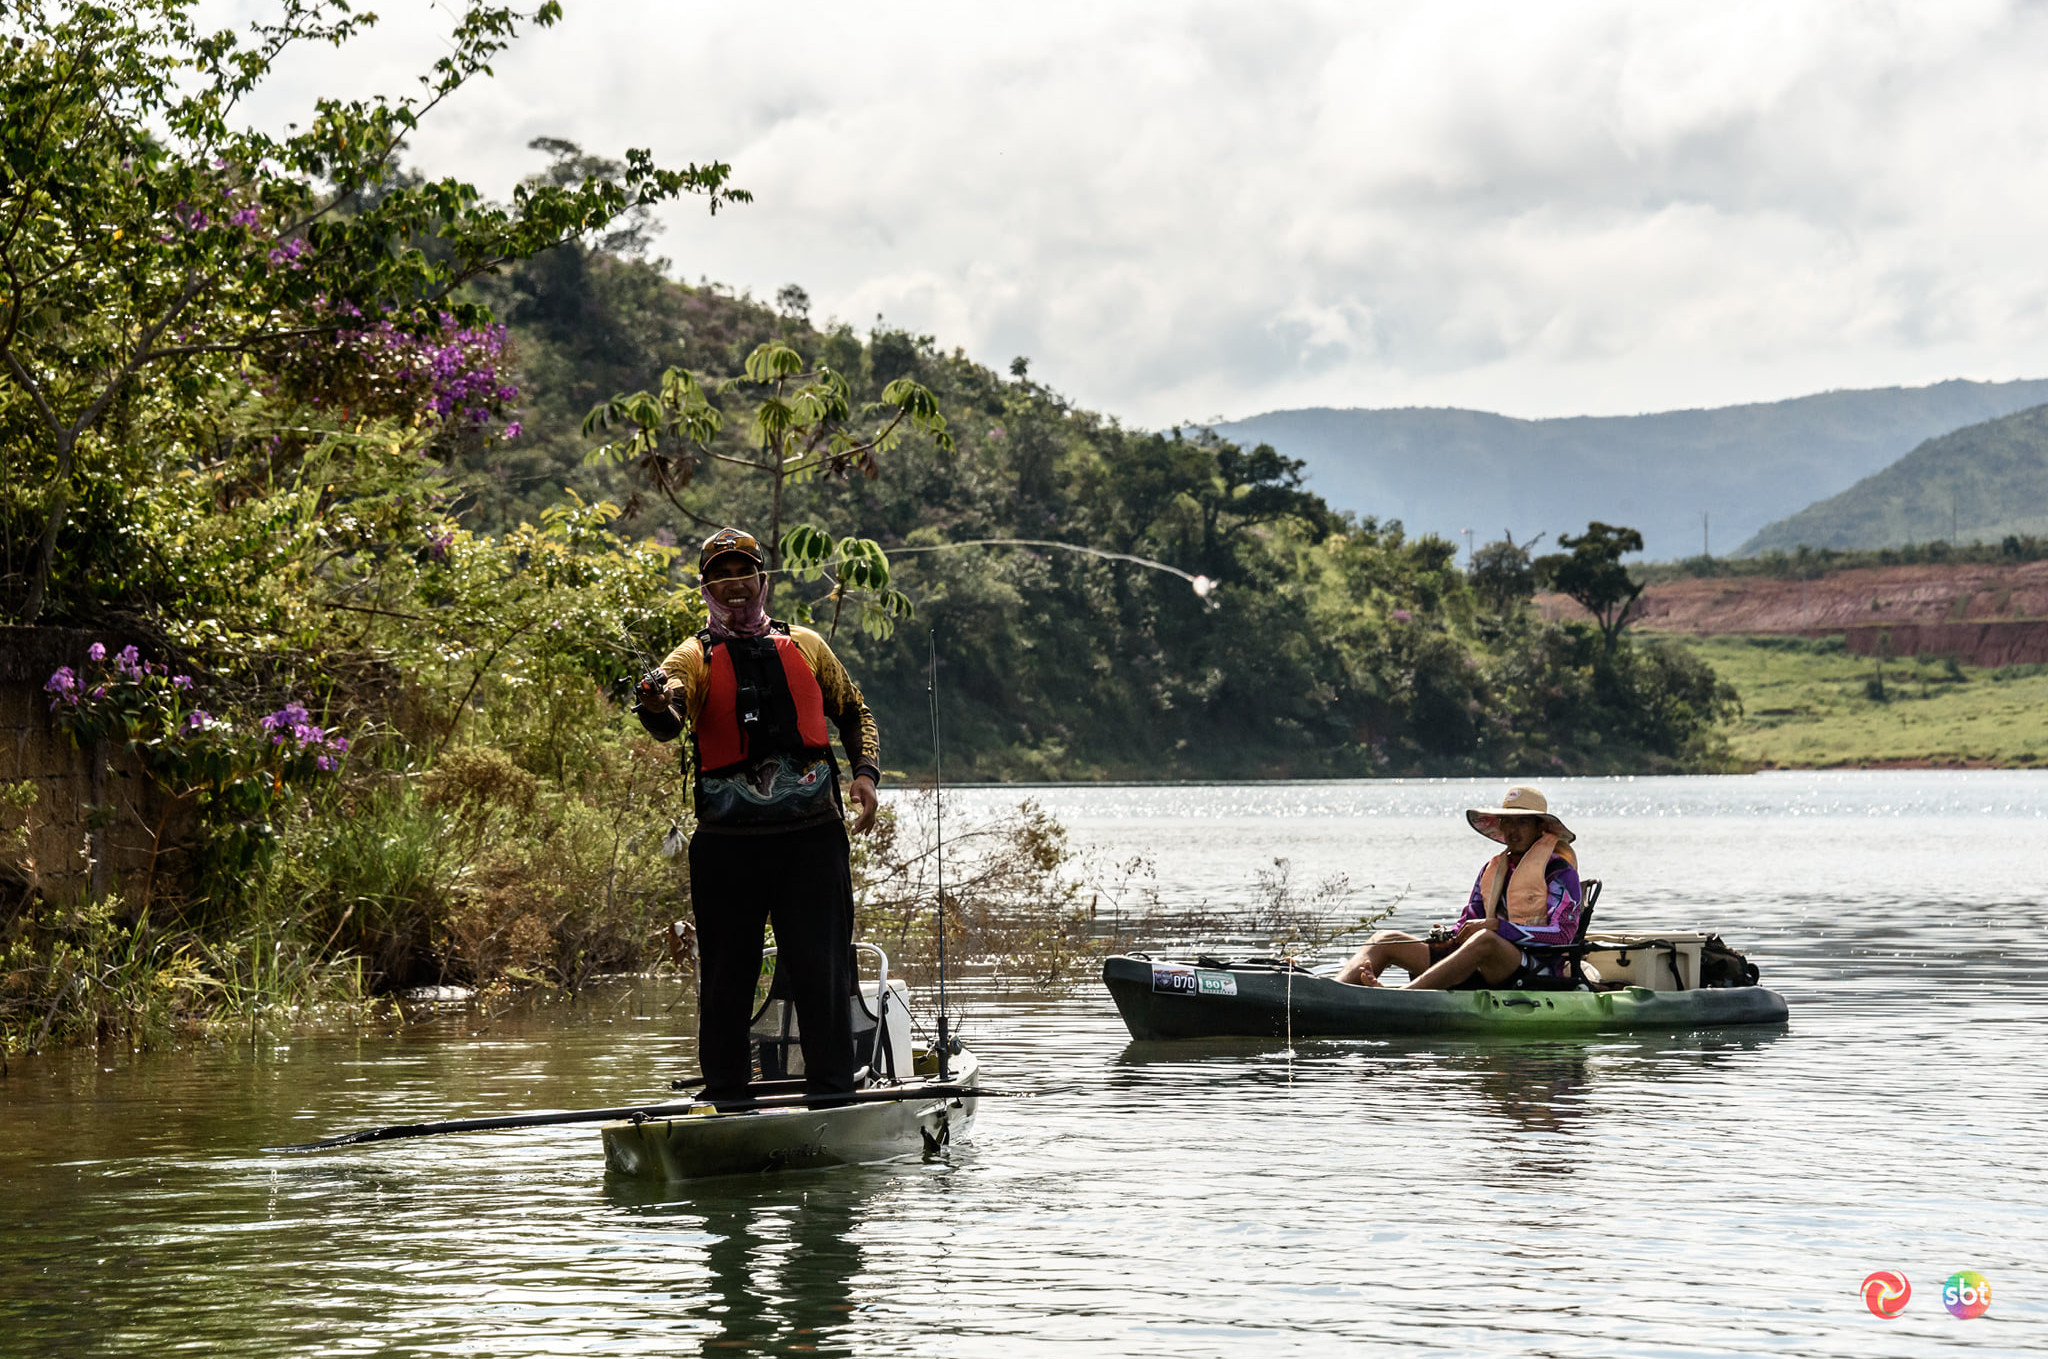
[[1190, 211]]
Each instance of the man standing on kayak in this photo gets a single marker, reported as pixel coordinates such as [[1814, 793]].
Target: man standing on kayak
[[770, 844], [1529, 894]]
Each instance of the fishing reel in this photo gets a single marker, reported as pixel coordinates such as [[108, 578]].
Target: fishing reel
[[652, 685]]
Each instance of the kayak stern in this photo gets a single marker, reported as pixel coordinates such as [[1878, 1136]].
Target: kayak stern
[[698, 1145]]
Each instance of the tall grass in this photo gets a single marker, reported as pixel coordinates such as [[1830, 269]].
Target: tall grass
[[86, 973]]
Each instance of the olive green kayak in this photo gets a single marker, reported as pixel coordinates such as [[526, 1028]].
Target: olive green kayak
[[1161, 999], [705, 1142]]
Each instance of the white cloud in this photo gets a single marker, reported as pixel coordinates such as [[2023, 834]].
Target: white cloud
[[1184, 209]]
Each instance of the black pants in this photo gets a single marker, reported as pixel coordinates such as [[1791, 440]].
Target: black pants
[[801, 881]]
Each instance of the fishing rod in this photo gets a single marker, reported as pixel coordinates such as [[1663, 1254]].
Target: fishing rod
[[641, 1113], [939, 851]]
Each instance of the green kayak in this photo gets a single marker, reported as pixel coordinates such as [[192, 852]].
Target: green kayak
[[1266, 998]]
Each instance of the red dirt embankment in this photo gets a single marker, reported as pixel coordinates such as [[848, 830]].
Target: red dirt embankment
[[1983, 614]]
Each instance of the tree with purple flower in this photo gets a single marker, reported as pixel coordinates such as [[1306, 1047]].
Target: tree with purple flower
[[170, 236], [236, 777]]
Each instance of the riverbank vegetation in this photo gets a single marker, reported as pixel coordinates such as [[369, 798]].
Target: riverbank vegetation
[[308, 442], [1808, 703]]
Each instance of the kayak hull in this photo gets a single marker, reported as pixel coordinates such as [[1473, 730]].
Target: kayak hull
[[698, 1146], [1159, 1001]]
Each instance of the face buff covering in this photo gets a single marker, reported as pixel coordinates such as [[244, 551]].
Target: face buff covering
[[749, 620]]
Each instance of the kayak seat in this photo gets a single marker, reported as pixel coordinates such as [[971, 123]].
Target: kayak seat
[[880, 1027], [1573, 954]]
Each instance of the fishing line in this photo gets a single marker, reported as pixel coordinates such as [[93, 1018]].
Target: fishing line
[[939, 849], [1204, 586]]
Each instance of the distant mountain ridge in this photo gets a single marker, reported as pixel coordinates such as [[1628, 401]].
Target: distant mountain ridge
[[1445, 470], [1972, 485]]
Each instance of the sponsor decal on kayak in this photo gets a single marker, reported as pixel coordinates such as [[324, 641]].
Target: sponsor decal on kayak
[[1178, 979]]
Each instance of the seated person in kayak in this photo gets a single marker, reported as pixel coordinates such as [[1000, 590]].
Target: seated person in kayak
[[1528, 894]]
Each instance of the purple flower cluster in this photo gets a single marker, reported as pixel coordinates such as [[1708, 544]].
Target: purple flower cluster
[[287, 255], [147, 687], [292, 723], [67, 690], [63, 686], [452, 378], [459, 369]]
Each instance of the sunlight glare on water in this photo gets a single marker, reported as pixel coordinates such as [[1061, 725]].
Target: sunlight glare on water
[[1685, 1194]]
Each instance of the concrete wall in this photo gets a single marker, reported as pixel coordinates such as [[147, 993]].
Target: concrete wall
[[1989, 644], [97, 819]]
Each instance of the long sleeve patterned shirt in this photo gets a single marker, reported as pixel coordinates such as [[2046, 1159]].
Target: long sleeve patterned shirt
[[687, 686]]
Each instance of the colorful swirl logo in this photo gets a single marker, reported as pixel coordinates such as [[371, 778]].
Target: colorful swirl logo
[[1885, 1293], [1966, 1294]]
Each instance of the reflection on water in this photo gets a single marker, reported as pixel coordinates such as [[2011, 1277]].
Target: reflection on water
[[1683, 1194], [780, 1259]]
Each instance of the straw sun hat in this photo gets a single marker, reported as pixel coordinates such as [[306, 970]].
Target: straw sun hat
[[1521, 800]]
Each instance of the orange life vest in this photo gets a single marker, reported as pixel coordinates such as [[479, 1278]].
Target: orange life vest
[[761, 700], [1528, 887]]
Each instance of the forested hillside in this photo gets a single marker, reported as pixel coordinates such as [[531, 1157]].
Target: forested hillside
[[1980, 484], [1743, 466], [1333, 644]]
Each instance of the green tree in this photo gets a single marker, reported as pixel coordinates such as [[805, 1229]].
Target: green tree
[[1575, 705], [1198, 497], [1503, 575], [803, 424], [144, 235], [1590, 571]]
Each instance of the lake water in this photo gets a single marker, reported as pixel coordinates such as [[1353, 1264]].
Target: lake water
[[1697, 1194]]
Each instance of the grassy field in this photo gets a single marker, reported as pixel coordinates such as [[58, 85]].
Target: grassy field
[[1809, 703]]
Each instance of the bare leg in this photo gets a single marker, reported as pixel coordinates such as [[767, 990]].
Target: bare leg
[[1485, 953], [1388, 947]]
